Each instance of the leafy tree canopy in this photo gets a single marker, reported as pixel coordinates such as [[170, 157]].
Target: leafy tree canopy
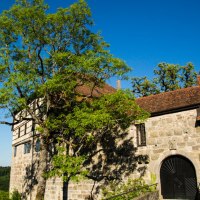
[[168, 77], [4, 178], [4, 171], [48, 58]]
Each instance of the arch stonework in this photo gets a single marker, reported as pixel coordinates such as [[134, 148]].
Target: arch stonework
[[155, 167], [166, 135], [171, 134]]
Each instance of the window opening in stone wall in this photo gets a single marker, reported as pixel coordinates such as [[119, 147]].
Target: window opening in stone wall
[[15, 151], [33, 127], [28, 127], [141, 135], [25, 129], [198, 118], [52, 148], [22, 130], [37, 145], [27, 147], [18, 132]]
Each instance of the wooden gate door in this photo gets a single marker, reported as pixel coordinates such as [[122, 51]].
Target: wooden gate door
[[178, 178]]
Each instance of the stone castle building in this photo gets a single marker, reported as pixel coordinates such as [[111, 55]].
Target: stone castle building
[[170, 138]]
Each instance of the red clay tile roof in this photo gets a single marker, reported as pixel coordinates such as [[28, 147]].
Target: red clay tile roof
[[155, 104], [98, 91], [169, 101]]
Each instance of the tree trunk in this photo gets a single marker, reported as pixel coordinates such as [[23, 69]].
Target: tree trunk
[[42, 167], [65, 190]]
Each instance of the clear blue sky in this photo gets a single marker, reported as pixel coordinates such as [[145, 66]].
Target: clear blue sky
[[141, 32]]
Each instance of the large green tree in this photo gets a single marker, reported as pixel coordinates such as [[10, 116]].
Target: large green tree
[[168, 77], [57, 61]]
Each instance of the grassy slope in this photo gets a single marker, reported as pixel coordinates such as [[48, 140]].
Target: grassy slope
[[4, 182], [4, 195], [4, 178]]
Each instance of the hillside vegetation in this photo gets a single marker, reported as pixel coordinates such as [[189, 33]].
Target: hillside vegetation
[[4, 195], [4, 178]]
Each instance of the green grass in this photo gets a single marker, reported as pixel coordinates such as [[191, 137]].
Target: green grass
[[4, 182], [4, 185], [4, 195], [4, 178]]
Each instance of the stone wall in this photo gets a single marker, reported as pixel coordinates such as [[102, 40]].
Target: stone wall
[[149, 196], [24, 166], [172, 134], [169, 134], [82, 190], [20, 169]]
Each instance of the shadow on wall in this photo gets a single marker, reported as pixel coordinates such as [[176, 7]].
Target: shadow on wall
[[115, 159], [112, 157], [30, 179]]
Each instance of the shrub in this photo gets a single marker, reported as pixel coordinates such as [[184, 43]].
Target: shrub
[[129, 189], [4, 183], [4, 178], [4, 195], [15, 195]]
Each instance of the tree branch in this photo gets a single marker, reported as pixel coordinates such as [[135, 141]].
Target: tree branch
[[41, 64], [9, 123]]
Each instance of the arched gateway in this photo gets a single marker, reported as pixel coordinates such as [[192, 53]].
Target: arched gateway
[[178, 178]]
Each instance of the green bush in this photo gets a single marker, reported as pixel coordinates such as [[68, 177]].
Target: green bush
[[4, 195], [4, 171], [131, 189], [4, 178], [15, 195], [4, 183]]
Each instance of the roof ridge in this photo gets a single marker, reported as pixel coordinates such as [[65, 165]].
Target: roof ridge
[[172, 100], [168, 92]]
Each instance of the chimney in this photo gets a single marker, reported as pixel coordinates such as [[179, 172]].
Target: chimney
[[198, 80], [118, 84]]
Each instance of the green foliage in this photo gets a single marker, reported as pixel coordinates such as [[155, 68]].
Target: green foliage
[[15, 195], [85, 127], [143, 86], [4, 178], [129, 190], [4, 171], [67, 166], [153, 178], [57, 60], [189, 76], [39, 51], [168, 77], [4, 182], [4, 195]]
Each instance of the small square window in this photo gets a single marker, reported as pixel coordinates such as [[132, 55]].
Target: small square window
[[19, 132], [25, 128], [15, 151], [141, 135], [27, 147], [37, 145], [198, 118], [33, 127]]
